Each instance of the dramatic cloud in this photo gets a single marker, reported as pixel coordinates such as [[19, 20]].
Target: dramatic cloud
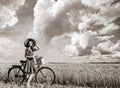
[[109, 47], [51, 18], [87, 23], [69, 27], [8, 10]]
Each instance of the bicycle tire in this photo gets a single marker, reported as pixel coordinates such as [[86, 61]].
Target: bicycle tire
[[41, 69], [20, 81]]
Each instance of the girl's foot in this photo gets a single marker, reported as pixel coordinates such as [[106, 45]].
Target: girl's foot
[[28, 86], [27, 76]]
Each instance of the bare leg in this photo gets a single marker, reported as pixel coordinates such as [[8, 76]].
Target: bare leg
[[30, 78], [46, 85]]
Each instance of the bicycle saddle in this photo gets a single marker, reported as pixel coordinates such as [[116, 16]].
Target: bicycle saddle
[[16, 65], [22, 61]]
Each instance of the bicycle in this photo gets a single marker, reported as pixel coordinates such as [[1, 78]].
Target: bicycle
[[17, 73]]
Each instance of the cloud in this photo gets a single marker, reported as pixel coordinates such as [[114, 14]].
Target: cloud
[[108, 46], [71, 50], [96, 3], [109, 28], [51, 18], [8, 10], [9, 50], [87, 23]]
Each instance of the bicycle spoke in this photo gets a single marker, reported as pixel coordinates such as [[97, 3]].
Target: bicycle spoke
[[47, 75], [15, 75]]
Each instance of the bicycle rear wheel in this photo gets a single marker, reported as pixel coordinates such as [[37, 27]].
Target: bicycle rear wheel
[[15, 75], [45, 75]]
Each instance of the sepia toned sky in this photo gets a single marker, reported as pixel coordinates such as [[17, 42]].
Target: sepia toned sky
[[64, 29], [12, 37]]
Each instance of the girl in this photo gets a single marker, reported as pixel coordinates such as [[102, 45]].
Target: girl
[[31, 47]]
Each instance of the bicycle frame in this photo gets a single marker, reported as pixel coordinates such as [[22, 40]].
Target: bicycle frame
[[22, 68]]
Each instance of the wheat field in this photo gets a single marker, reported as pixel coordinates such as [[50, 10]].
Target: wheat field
[[77, 76], [91, 75]]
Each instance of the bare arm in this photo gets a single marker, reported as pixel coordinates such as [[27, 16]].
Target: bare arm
[[28, 56], [36, 48]]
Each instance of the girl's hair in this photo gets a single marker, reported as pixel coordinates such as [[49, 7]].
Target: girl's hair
[[27, 44]]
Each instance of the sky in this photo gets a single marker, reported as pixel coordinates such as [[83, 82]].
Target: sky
[[65, 30]]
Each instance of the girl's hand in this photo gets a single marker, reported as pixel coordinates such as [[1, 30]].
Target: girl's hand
[[35, 48], [38, 47]]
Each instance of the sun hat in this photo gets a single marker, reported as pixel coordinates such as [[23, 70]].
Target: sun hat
[[26, 43]]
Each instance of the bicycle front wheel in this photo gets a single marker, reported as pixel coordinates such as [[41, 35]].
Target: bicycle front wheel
[[15, 75], [45, 75]]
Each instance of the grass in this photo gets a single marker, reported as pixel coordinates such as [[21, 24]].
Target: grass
[[3, 85], [78, 75], [92, 75]]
